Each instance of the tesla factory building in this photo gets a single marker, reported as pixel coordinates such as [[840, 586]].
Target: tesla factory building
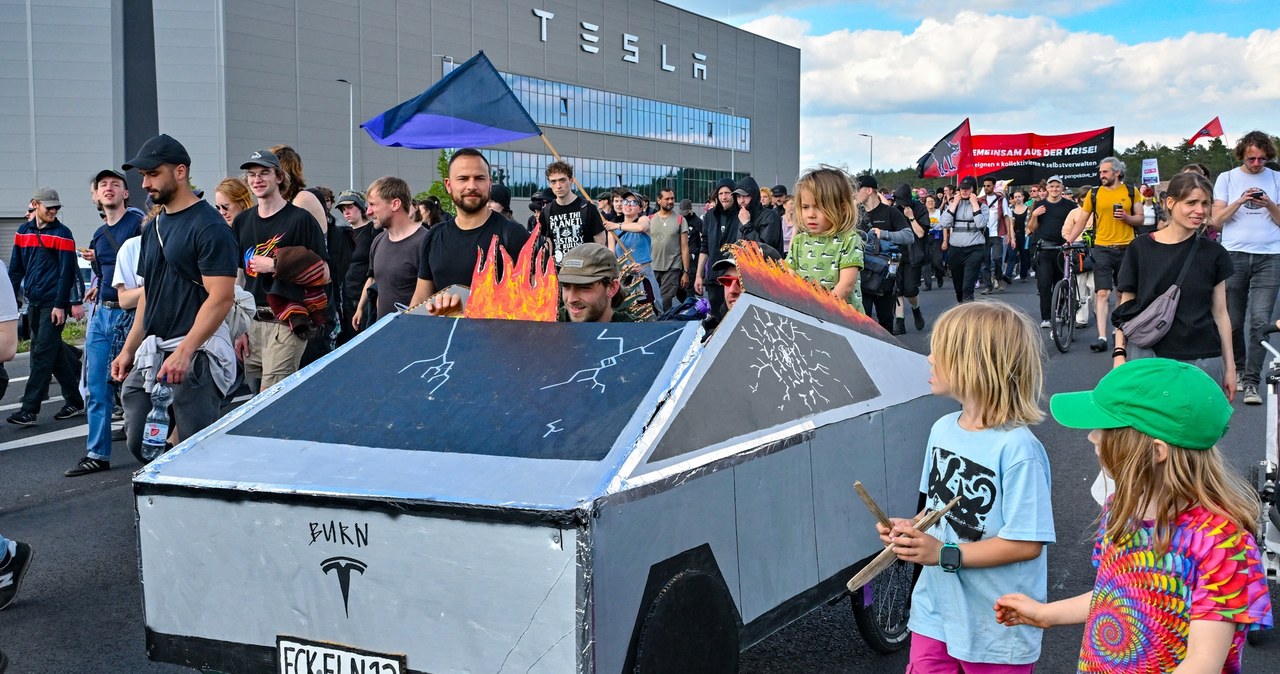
[[637, 93]]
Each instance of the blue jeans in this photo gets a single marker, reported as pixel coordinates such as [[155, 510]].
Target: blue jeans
[[1251, 291], [97, 375]]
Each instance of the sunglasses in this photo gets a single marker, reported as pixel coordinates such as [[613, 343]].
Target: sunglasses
[[729, 281], [1255, 160], [222, 207], [30, 211], [53, 208], [630, 202]]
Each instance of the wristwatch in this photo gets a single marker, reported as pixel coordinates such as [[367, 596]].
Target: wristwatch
[[949, 557]]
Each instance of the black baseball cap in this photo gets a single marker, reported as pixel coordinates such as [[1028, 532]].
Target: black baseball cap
[[265, 158], [867, 180], [162, 149], [969, 183], [502, 195], [779, 190], [107, 173]]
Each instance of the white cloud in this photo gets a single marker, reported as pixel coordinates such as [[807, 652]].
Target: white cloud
[[1014, 75]]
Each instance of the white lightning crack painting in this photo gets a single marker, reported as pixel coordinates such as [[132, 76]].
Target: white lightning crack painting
[[441, 365], [592, 374], [783, 352]]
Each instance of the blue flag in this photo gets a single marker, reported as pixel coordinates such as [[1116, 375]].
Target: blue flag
[[472, 106]]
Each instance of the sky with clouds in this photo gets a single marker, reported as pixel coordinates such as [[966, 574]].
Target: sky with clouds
[[908, 71]]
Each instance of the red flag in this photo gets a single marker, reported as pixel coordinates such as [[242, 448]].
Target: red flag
[[1211, 130], [952, 153]]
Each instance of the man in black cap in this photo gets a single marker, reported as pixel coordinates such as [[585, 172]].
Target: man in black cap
[[272, 350], [964, 238], [189, 261], [779, 196], [44, 267], [537, 202], [354, 210], [111, 193]]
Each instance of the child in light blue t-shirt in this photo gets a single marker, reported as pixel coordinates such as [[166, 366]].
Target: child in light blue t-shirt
[[987, 356]]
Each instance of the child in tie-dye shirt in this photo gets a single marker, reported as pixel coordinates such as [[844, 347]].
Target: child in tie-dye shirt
[[1180, 578]]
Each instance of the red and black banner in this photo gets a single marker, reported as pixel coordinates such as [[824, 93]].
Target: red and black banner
[[1211, 130], [949, 156], [1027, 158]]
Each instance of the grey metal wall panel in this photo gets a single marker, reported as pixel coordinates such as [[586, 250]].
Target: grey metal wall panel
[[843, 453], [906, 435], [777, 553], [189, 90]]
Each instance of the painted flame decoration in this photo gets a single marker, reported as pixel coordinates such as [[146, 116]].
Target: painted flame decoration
[[528, 288], [774, 280]]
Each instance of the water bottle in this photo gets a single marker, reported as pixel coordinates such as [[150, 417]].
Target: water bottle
[[893, 265], [156, 430]]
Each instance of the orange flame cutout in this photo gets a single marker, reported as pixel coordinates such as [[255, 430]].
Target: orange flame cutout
[[775, 281], [527, 291]]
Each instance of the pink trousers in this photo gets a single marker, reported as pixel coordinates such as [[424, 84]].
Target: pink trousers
[[929, 656]]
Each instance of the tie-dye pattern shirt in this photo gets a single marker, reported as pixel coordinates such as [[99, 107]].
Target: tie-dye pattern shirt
[[1143, 605]]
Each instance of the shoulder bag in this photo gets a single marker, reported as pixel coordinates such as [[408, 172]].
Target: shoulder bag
[[1153, 323]]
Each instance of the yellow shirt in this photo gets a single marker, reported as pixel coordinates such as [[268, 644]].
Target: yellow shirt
[[1107, 230]]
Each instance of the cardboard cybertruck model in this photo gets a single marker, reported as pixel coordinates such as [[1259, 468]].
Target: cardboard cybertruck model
[[462, 495]]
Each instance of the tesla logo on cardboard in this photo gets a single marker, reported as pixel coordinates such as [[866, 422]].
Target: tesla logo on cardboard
[[342, 568], [630, 44]]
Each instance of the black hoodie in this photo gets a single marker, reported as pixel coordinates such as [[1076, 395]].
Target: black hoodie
[[720, 226], [765, 225]]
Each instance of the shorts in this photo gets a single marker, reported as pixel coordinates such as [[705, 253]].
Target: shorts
[[929, 656], [1106, 266]]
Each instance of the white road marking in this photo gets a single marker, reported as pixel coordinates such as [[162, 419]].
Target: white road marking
[[14, 406], [72, 432]]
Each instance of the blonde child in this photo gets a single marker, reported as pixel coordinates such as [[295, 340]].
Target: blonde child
[[1180, 579], [826, 247], [986, 356]]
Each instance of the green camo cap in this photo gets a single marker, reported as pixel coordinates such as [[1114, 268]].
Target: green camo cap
[[1166, 399]]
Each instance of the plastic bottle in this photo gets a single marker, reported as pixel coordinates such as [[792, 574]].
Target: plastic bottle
[[156, 430]]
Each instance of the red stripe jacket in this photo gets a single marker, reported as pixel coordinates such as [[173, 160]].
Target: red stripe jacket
[[43, 265]]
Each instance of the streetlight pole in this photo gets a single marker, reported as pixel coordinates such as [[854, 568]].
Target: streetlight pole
[[351, 134], [871, 152], [733, 142]]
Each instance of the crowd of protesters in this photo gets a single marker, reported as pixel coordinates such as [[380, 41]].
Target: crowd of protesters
[[211, 297]]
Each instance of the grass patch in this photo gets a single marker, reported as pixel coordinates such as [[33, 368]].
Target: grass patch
[[72, 333]]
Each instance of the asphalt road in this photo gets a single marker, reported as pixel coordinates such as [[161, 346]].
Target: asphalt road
[[81, 607]]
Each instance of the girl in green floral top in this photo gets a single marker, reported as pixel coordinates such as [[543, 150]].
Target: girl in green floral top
[[827, 247]]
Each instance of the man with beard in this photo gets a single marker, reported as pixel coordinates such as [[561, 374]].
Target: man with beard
[[44, 267], [110, 192], [719, 228], [1116, 211], [756, 221], [449, 252], [188, 257], [272, 349], [589, 286], [670, 235]]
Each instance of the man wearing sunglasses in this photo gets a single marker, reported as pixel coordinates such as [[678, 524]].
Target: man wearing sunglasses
[[1245, 209], [44, 267]]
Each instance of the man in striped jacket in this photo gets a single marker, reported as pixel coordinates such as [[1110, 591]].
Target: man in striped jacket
[[44, 267]]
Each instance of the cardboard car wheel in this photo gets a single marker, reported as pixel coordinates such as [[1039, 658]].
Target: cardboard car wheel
[[689, 627], [881, 608]]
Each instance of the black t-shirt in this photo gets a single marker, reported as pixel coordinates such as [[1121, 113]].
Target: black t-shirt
[[1049, 225], [570, 226], [1150, 267], [104, 252], [449, 253], [290, 226], [358, 269], [197, 242], [887, 218]]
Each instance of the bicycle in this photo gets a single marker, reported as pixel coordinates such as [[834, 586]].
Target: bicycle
[[1066, 297]]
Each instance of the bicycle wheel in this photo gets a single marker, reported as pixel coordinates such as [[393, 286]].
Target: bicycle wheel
[[881, 608], [1064, 315]]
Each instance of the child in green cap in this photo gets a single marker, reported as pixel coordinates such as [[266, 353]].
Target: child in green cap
[[1180, 578]]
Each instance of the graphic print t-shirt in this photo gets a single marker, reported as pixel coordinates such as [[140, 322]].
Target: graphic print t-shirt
[[290, 226], [1002, 480], [1143, 605], [820, 258], [571, 226]]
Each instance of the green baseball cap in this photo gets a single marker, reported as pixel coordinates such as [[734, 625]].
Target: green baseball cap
[[1166, 399]]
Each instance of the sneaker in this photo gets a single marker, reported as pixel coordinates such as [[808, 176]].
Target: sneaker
[[23, 418], [12, 571], [1046, 325], [69, 411], [1239, 384], [88, 465], [1251, 396], [919, 317], [1099, 345], [1082, 325], [117, 413]]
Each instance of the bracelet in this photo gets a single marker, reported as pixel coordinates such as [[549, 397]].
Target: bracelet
[[1119, 351]]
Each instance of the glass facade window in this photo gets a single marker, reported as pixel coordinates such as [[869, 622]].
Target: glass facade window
[[570, 106], [523, 173]]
